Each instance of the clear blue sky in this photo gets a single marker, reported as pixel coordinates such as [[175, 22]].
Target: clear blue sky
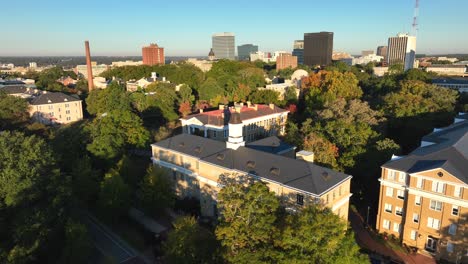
[[122, 27]]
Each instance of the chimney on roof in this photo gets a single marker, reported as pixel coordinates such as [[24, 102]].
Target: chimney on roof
[[272, 106], [249, 104], [201, 110], [255, 107], [221, 107], [305, 155], [90, 68]]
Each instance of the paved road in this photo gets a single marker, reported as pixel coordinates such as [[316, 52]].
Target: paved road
[[109, 244]]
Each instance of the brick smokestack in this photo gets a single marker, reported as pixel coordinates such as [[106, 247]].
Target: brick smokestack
[[90, 68]]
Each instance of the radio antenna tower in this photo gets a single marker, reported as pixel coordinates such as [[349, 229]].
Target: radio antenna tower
[[415, 19]]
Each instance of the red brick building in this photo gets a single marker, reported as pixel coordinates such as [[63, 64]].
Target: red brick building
[[153, 54], [285, 60]]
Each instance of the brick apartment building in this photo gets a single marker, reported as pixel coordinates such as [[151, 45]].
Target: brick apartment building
[[153, 55], [286, 60], [424, 195]]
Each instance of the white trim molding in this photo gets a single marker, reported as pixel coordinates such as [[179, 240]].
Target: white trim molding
[[441, 198], [341, 202]]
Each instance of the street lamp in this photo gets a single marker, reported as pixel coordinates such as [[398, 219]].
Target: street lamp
[[367, 218]]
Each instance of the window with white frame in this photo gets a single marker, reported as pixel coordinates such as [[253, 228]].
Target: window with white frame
[[388, 208], [457, 191], [419, 183], [402, 177], [415, 217], [438, 186], [389, 191], [396, 227], [300, 199], [413, 234], [386, 224], [417, 200], [449, 247], [454, 210], [452, 229], [401, 194], [433, 223], [399, 211], [436, 205], [391, 175]]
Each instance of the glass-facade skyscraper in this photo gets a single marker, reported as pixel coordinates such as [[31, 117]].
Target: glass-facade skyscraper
[[223, 45]]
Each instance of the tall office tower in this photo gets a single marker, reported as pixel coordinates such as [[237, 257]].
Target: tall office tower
[[243, 51], [382, 51], [224, 45], [318, 48], [298, 51], [153, 54], [402, 49]]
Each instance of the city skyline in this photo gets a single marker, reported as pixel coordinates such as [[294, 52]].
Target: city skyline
[[59, 30]]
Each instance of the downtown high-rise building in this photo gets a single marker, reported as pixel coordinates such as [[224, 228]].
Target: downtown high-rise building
[[298, 51], [243, 51], [402, 50], [382, 51], [153, 54], [223, 45], [318, 48]]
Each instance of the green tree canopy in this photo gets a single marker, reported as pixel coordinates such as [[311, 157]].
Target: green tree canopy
[[190, 243], [112, 132], [301, 246], [265, 97], [13, 110], [155, 192], [113, 98], [78, 245], [33, 198], [114, 197], [210, 89], [417, 97], [247, 226], [327, 86]]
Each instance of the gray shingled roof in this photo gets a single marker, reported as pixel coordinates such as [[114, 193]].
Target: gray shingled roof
[[53, 98], [270, 144], [297, 174], [192, 145], [14, 89], [449, 152]]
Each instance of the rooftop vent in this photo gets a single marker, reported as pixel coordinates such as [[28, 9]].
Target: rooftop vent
[[251, 164], [198, 149], [275, 171], [49, 101], [326, 176], [66, 100], [220, 156], [181, 144]]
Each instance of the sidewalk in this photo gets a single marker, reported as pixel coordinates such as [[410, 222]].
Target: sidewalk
[[365, 240]]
